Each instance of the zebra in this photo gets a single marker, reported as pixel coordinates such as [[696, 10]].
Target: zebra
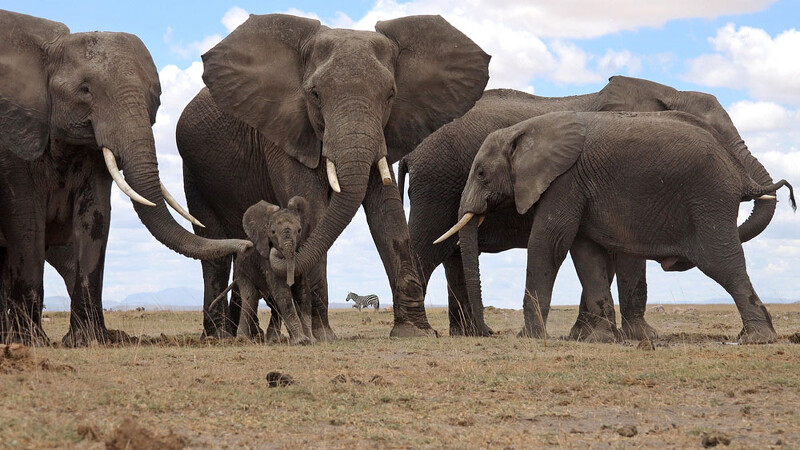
[[364, 301]]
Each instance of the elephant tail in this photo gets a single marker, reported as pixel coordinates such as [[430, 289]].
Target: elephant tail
[[756, 191], [223, 294], [402, 170]]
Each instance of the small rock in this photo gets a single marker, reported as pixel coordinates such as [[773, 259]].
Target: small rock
[[779, 442], [627, 431], [795, 338], [657, 308], [715, 439], [276, 379]]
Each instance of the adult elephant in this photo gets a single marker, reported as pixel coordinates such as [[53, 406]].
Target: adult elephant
[[73, 107], [285, 93], [439, 167]]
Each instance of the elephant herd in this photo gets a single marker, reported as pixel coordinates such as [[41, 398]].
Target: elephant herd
[[297, 128]]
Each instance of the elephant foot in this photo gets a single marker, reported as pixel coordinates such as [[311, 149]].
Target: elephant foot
[[33, 336], [407, 329], [301, 340], [85, 337], [603, 334], [471, 330], [219, 333], [757, 333], [637, 330], [532, 332], [323, 334], [278, 339]]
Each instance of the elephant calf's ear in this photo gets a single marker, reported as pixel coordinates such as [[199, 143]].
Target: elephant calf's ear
[[24, 124], [546, 147]]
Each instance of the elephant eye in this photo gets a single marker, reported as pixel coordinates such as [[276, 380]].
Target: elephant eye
[[391, 96], [315, 95], [480, 172], [84, 89]]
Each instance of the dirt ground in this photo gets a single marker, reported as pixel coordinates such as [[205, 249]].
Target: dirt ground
[[366, 390]]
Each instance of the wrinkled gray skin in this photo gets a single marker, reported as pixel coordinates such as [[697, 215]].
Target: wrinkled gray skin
[[62, 98], [276, 234], [438, 171], [677, 201], [285, 96]]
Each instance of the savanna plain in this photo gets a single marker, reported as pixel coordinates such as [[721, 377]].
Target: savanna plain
[[171, 389]]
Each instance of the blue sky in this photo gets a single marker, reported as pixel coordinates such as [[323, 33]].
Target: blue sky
[[743, 51]]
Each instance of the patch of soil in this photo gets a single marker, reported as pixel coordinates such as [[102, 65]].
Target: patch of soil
[[16, 358], [129, 435], [795, 338]]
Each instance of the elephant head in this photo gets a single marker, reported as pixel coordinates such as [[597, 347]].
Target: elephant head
[[634, 94], [276, 233], [519, 163], [354, 98], [98, 91]]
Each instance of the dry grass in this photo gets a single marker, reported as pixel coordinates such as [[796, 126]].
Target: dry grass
[[447, 392]]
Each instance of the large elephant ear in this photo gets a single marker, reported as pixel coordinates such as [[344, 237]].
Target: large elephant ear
[[255, 74], [24, 124], [256, 225], [440, 73], [543, 148], [635, 94]]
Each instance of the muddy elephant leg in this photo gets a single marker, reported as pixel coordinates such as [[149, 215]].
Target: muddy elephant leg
[[725, 264], [387, 224], [24, 274], [303, 301], [248, 324], [235, 311], [584, 323], [273, 333], [593, 265], [83, 260], [458, 306], [632, 288]]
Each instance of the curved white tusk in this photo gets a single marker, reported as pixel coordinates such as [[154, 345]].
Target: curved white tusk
[[178, 208], [386, 174], [116, 175], [481, 219], [766, 197], [333, 180], [464, 220]]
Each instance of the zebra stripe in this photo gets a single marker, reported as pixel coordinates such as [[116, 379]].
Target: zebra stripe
[[364, 301]]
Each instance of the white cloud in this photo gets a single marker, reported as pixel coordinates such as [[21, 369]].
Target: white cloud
[[750, 116], [749, 58], [234, 17]]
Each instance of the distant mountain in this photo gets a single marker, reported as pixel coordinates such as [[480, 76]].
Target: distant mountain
[[56, 303]]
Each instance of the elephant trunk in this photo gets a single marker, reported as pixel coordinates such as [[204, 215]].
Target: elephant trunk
[[288, 254], [468, 236], [763, 209], [132, 144], [352, 156]]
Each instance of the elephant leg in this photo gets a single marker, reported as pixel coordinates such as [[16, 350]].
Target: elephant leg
[[282, 296], [584, 323], [458, 306], [387, 224], [555, 226], [248, 320], [83, 259], [725, 264], [216, 272], [592, 263], [23, 225], [317, 285], [274, 328], [303, 302], [235, 311], [632, 288]]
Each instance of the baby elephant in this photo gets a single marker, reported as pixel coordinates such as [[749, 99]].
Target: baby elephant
[[652, 185], [276, 234]]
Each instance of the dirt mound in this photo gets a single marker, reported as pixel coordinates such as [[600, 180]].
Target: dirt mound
[[16, 358], [129, 435]]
